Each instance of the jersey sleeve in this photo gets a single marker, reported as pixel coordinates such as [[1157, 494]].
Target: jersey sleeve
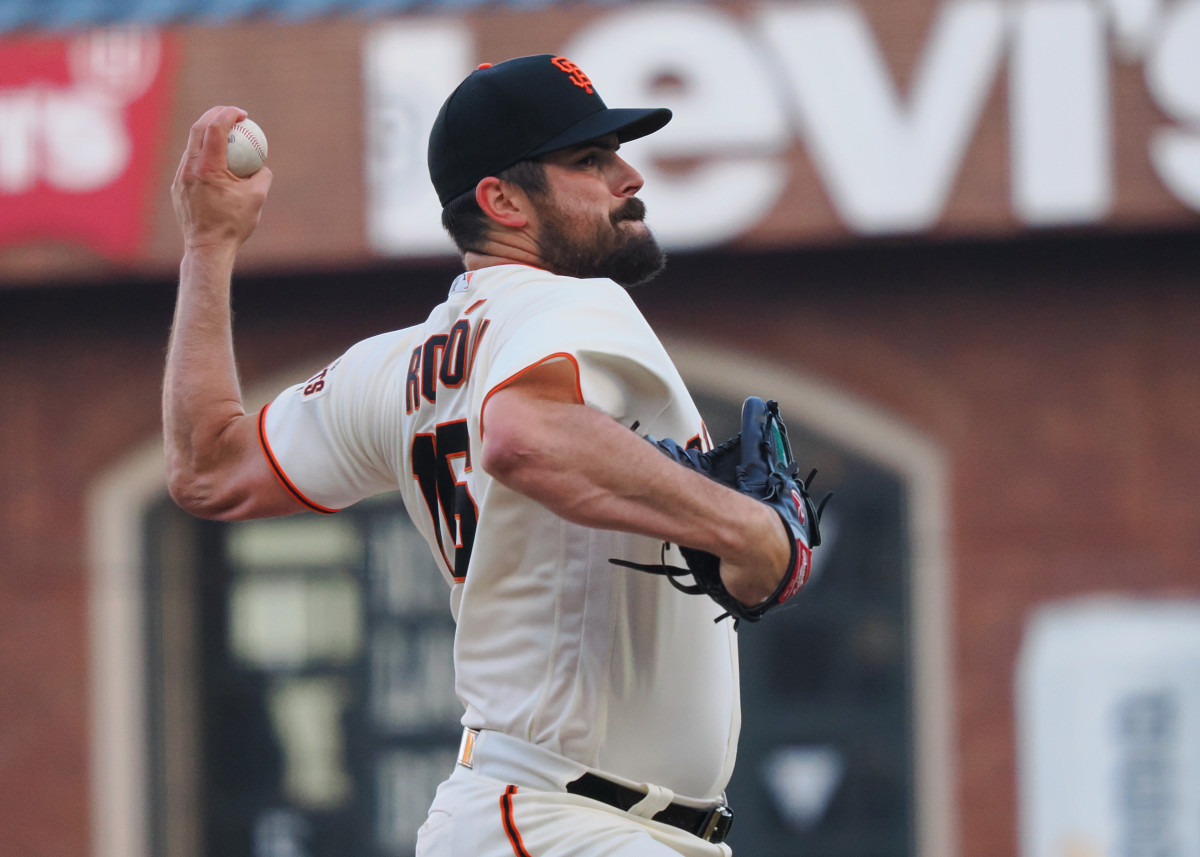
[[330, 440], [622, 367]]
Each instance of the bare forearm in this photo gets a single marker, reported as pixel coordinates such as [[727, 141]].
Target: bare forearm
[[615, 480], [200, 359], [201, 395]]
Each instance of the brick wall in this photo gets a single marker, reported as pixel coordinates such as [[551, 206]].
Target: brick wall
[[1060, 377]]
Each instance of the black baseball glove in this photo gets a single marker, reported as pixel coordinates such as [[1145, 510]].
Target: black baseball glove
[[758, 463]]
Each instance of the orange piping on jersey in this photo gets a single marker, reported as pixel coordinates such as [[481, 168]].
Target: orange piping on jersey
[[278, 470], [510, 826], [560, 355], [475, 305]]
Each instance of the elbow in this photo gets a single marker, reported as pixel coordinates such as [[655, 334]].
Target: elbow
[[180, 483], [523, 444], [218, 476], [195, 495], [504, 457], [513, 456], [191, 497]]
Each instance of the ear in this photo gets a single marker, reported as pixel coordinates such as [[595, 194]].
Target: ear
[[503, 202]]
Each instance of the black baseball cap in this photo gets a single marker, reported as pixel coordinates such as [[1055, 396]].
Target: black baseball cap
[[518, 109]]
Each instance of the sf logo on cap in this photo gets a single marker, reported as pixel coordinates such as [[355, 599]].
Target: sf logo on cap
[[577, 75]]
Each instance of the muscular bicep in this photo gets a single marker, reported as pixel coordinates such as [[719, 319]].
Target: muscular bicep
[[521, 419], [234, 481]]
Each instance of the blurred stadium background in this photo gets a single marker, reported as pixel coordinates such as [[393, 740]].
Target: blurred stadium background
[[957, 239]]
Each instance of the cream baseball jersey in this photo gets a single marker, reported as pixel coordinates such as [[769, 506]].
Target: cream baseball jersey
[[554, 645]]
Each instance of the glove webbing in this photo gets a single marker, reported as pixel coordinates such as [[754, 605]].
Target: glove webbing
[[673, 572]]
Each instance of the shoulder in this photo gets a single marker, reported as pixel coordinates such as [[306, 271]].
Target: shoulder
[[381, 348], [363, 364]]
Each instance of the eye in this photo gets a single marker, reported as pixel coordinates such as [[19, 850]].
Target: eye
[[590, 159]]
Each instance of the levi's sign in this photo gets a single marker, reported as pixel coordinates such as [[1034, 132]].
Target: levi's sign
[[80, 132], [812, 121]]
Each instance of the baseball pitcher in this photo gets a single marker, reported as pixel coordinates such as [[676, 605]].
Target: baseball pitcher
[[549, 453]]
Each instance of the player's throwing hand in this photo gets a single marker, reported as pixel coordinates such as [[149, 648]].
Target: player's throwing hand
[[215, 208]]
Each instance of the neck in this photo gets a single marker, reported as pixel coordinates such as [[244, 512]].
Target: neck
[[473, 261], [506, 249]]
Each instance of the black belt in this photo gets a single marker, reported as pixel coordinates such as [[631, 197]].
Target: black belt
[[711, 825]]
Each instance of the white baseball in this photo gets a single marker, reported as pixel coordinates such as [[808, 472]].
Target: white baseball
[[247, 148]]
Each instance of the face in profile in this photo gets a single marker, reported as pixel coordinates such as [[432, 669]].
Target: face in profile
[[590, 223]]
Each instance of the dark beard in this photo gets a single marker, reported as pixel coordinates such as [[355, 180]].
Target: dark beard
[[628, 259]]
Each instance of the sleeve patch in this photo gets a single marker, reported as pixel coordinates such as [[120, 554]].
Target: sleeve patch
[[318, 384]]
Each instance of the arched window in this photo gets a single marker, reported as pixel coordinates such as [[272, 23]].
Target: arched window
[[289, 690]]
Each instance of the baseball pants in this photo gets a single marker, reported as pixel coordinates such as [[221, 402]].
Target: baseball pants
[[511, 802]]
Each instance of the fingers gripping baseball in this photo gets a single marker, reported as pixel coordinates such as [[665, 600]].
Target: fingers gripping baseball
[[214, 207]]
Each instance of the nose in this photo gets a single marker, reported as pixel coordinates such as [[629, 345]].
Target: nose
[[627, 180]]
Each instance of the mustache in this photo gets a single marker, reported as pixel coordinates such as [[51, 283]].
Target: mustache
[[633, 209]]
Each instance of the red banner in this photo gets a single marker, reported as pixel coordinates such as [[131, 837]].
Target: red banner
[[82, 122]]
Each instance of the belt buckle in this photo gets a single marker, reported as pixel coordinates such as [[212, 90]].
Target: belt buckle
[[466, 749], [716, 828]]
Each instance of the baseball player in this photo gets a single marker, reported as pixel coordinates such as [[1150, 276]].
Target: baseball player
[[601, 703]]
